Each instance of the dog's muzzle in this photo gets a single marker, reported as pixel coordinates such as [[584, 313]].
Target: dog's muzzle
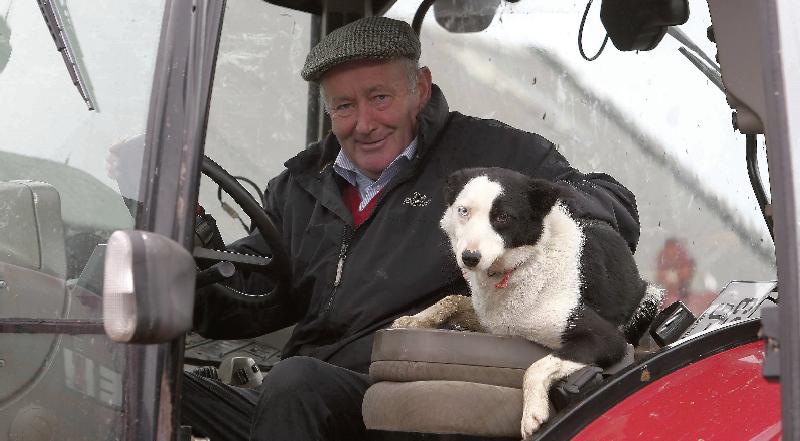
[[470, 258]]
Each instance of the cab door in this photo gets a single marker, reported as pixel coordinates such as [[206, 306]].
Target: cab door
[[102, 131]]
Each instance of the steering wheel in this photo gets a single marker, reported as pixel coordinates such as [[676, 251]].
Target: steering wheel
[[276, 267]]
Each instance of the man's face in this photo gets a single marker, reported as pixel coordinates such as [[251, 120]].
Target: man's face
[[373, 110]]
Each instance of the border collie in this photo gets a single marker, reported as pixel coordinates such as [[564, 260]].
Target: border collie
[[535, 271]]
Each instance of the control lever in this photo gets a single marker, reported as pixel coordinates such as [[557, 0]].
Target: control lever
[[575, 387], [669, 324], [215, 273], [241, 372]]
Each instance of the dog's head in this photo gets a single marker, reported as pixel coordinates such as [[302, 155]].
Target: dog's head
[[493, 215]]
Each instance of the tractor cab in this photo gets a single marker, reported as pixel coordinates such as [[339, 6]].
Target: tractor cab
[[121, 119]]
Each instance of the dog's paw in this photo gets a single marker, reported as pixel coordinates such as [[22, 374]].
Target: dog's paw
[[533, 416], [410, 321], [407, 321]]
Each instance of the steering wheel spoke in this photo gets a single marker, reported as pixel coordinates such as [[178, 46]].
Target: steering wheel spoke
[[276, 267], [249, 262]]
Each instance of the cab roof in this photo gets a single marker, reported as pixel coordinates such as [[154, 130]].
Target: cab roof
[[315, 6]]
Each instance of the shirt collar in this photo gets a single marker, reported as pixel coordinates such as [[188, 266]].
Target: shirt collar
[[348, 170]]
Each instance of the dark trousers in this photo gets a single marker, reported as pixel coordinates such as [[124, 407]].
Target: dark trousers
[[302, 398]]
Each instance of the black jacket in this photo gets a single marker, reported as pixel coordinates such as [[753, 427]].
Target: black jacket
[[398, 261]]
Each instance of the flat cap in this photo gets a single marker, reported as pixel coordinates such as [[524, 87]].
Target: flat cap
[[370, 38]]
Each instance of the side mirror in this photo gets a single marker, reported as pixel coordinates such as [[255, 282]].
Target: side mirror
[[148, 288], [639, 25], [462, 16]]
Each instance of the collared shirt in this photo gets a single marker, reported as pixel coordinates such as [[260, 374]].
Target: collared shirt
[[367, 188]]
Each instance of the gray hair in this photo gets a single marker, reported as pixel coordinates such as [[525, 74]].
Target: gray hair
[[411, 68]]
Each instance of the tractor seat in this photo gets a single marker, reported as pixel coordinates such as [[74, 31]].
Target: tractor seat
[[450, 382]]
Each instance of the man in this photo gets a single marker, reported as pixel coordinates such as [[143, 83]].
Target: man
[[359, 215]]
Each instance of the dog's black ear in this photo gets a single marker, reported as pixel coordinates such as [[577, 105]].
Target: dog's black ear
[[454, 184], [542, 195]]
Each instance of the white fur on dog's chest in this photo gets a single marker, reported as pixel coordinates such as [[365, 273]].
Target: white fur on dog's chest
[[542, 293]]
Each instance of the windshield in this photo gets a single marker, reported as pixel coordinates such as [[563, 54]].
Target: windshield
[[652, 120], [258, 113], [62, 196]]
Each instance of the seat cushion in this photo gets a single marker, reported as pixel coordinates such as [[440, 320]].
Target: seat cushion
[[449, 382], [455, 347], [432, 354], [399, 371], [443, 407]]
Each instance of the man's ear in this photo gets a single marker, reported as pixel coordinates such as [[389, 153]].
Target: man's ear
[[543, 194], [424, 86]]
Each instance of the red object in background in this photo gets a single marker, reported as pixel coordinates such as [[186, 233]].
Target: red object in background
[[675, 270], [721, 397]]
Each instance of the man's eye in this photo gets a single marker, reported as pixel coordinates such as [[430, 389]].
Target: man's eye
[[381, 100], [343, 110], [462, 211]]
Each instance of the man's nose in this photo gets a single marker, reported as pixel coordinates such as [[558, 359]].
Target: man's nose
[[470, 258], [365, 122]]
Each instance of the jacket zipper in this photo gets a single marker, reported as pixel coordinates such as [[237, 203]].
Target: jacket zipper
[[347, 238], [349, 233]]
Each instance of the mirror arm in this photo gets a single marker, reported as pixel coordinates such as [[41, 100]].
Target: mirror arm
[[419, 16]]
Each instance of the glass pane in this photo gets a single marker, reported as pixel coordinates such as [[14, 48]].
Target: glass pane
[[650, 119], [63, 192], [60, 387], [59, 202], [257, 118]]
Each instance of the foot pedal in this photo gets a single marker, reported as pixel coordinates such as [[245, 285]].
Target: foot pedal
[[209, 372]]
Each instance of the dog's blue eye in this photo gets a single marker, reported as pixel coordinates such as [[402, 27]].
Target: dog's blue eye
[[463, 211]]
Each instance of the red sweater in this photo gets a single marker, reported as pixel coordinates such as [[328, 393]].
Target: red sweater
[[352, 200]]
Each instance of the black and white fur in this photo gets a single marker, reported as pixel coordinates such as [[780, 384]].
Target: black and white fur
[[537, 272]]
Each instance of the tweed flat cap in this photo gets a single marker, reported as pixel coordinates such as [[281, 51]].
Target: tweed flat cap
[[370, 38]]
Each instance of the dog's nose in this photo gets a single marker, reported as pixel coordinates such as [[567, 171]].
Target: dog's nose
[[470, 258]]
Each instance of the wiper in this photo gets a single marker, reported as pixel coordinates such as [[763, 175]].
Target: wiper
[[56, 26], [686, 41], [703, 63]]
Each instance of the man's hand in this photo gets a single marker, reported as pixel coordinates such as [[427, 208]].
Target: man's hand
[[206, 233]]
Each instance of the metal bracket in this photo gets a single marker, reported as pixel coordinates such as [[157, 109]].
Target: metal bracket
[[770, 332]]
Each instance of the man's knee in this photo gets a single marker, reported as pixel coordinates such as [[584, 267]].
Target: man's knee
[[293, 375], [324, 399], [306, 378]]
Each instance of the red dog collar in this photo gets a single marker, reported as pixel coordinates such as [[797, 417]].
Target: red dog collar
[[504, 282]]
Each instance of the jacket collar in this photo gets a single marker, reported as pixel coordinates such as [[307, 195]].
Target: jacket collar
[[312, 169], [318, 158]]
